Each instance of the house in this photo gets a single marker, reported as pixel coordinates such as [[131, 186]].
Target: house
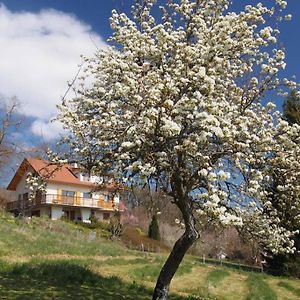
[[69, 193]]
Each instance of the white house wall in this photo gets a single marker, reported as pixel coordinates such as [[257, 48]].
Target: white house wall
[[56, 212], [53, 187], [85, 213], [21, 186]]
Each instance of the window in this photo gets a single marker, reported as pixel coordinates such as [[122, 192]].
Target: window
[[106, 216], [68, 193], [87, 195], [36, 213], [66, 214], [106, 198], [84, 177]]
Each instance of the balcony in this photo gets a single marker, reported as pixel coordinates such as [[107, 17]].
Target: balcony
[[62, 200]]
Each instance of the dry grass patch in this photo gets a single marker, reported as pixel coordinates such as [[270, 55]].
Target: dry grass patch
[[122, 271], [134, 238], [259, 289], [15, 259], [281, 292], [232, 287], [188, 283]]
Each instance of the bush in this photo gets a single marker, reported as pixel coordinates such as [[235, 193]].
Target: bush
[[94, 224], [286, 265], [153, 231], [133, 238], [115, 226], [94, 220], [237, 254]]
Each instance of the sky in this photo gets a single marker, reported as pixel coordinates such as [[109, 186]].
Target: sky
[[42, 40]]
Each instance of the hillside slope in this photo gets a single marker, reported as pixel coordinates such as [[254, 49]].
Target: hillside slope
[[40, 259]]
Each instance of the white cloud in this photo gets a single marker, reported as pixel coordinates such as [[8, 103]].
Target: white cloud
[[46, 129], [39, 53]]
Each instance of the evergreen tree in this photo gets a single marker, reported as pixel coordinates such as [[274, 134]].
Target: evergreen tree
[[153, 231]]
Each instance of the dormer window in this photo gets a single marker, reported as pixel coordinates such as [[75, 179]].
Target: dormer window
[[84, 177]]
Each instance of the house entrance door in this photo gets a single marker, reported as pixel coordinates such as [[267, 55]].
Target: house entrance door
[[72, 215]]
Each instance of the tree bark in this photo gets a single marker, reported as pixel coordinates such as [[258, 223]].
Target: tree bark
[[171, 265]]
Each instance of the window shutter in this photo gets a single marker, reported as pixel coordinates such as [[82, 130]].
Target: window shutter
[[78, 196], [59, 193]]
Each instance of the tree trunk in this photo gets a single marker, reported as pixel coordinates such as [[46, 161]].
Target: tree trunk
[[170, 267]]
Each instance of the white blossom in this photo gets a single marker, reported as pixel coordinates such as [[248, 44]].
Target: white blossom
[[178, 104]]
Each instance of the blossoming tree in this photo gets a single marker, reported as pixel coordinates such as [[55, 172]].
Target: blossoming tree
[[175, 102], [284, 189]]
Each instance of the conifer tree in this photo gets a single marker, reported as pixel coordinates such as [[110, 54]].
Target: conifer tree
[[153, 231]]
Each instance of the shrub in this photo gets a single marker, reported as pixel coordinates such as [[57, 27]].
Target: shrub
[[237, 254], [94, 220], [134, 238], [153, 231], [115, 226], [286, 265]]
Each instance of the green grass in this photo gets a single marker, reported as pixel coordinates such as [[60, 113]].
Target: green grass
[[124, 262], [147, 272], [290, 288], [67, 280], [230, 264], [211, 281], [216, 276], [42, 259], [259, 289], [64, 280], [53, 238], [151, 272]]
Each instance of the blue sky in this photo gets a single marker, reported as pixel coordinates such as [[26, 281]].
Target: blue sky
[[41, 42], [93, 12], [96, 14]]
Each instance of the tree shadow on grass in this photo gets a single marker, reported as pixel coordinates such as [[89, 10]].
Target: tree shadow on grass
[[65, 280]]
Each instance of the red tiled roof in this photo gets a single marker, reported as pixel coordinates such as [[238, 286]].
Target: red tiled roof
[[56, 173], [51, 173]]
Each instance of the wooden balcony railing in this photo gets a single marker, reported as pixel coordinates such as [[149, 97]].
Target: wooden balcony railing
[[62, 200]]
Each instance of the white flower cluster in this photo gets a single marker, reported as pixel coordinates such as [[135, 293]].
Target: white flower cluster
[[179, 103], [34, 184]]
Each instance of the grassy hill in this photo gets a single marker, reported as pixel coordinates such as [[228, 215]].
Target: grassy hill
[[41, 259]]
